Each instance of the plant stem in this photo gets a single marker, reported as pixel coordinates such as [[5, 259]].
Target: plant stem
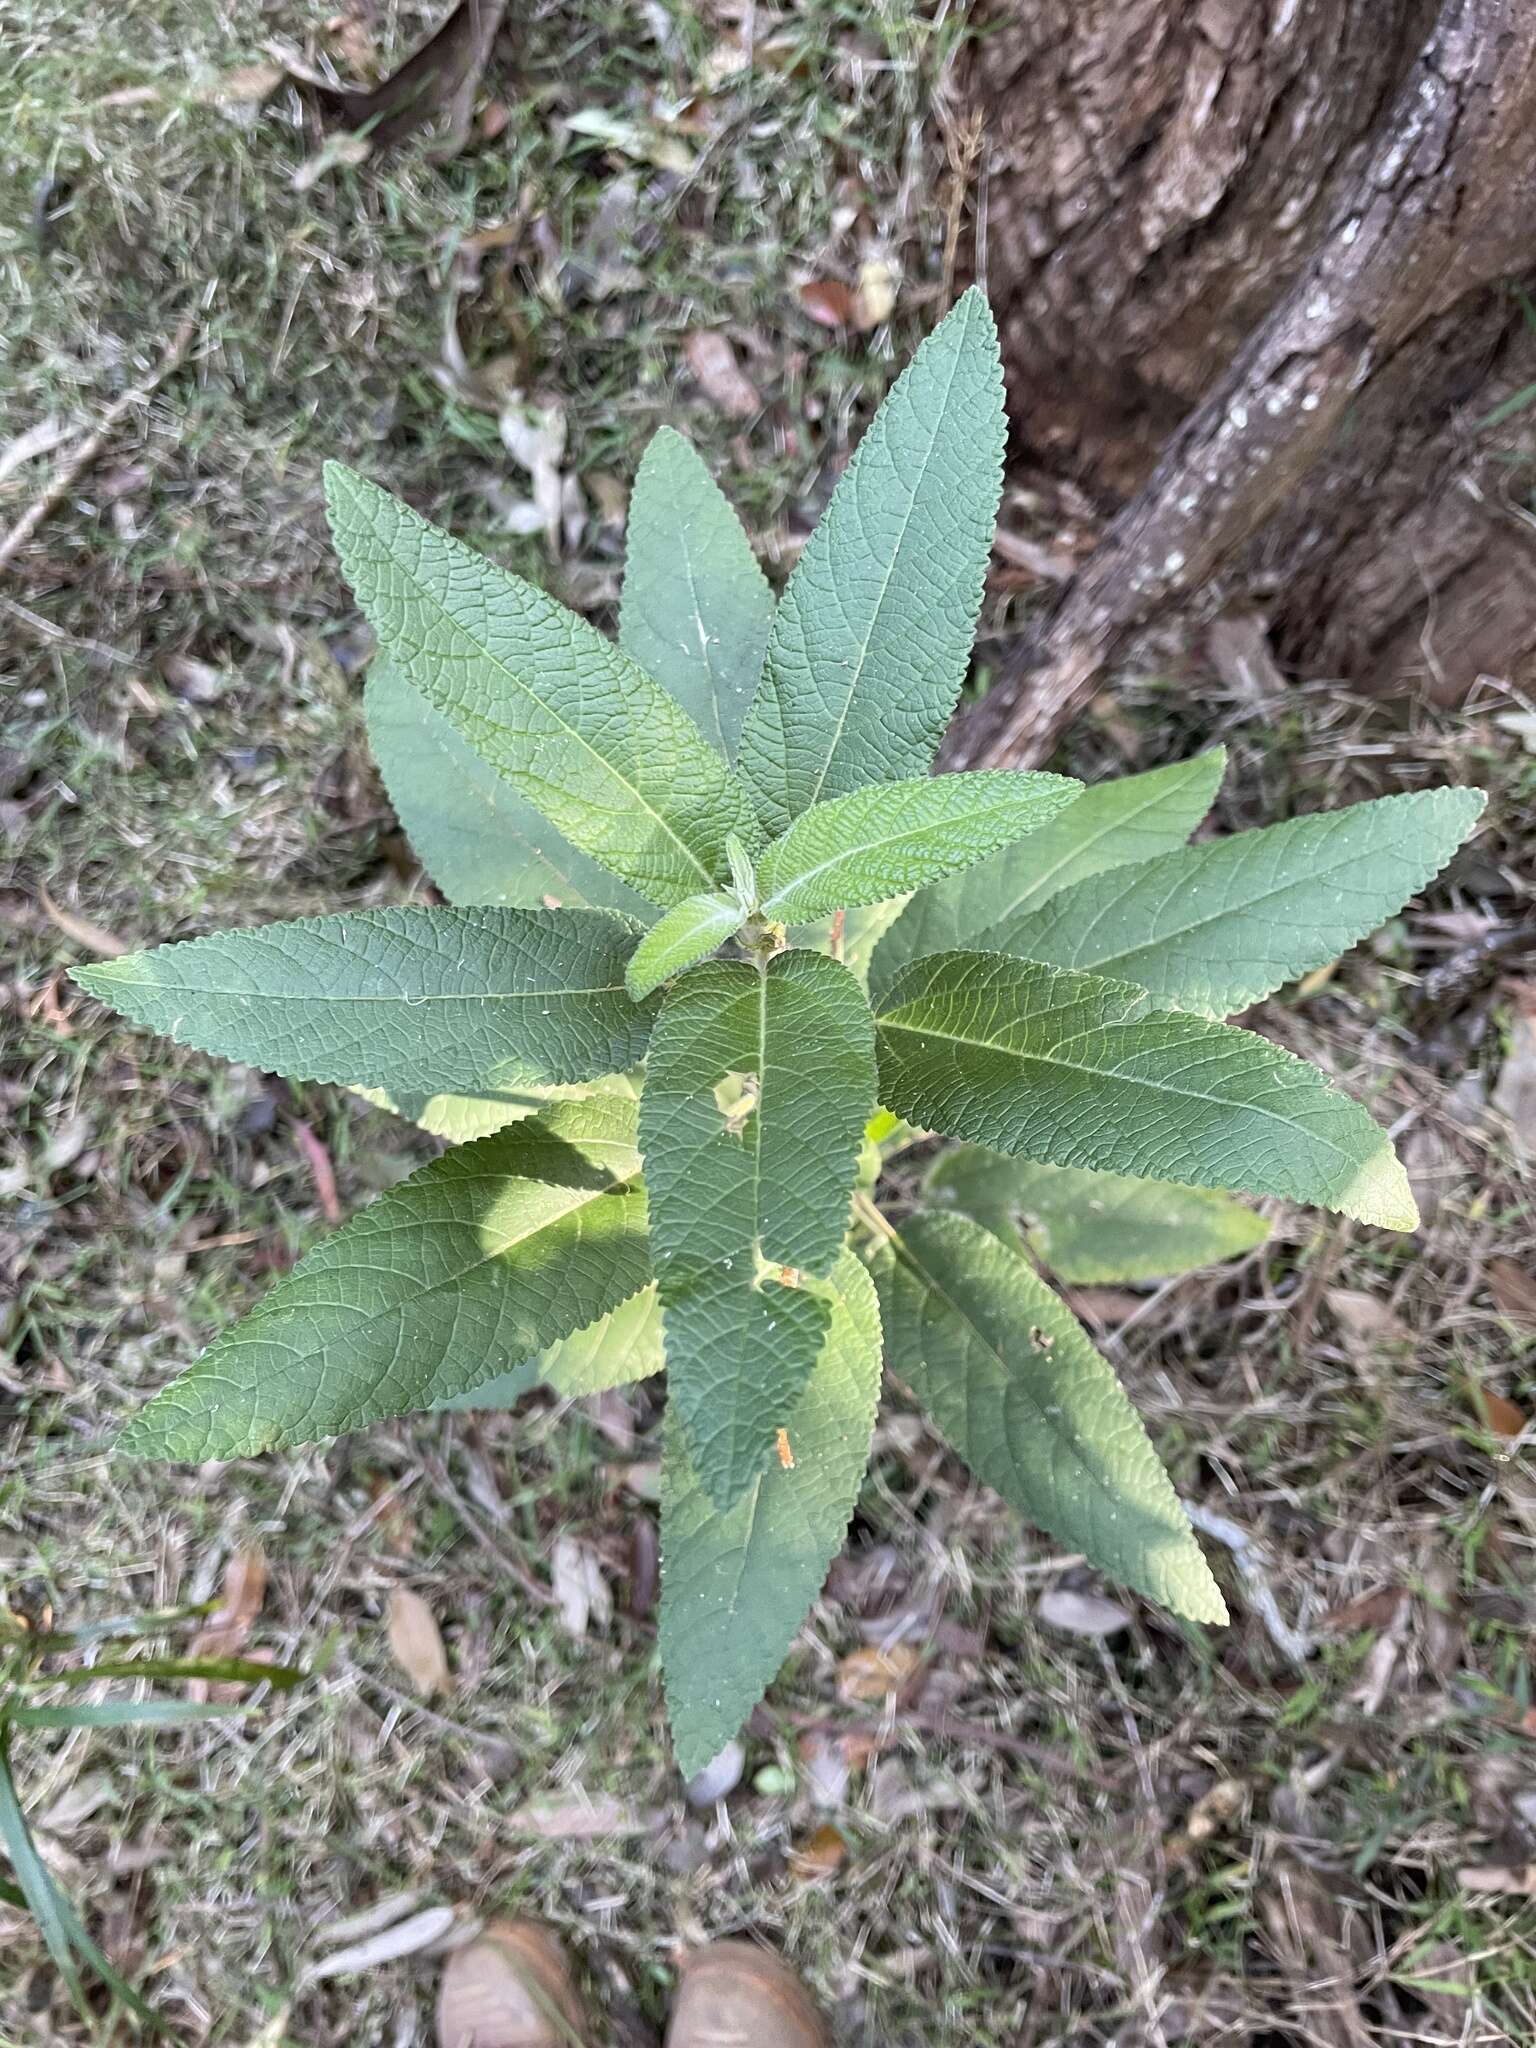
[[872, 1219]]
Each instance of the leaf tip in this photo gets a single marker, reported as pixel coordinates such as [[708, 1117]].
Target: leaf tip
[[100, 979], [1380, 1194], [1199, 1598], [637, 986], [344, 489]]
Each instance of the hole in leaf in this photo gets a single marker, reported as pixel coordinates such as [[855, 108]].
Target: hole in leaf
[[736, 1099]]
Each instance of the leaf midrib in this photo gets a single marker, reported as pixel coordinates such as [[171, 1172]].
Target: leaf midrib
[[1110, 829], [877, 609], [696, 615], [253, 1322], [1244, 908], [866, 847], [469, 995], [1102, 1074], [642, 802], [1014, 1380]]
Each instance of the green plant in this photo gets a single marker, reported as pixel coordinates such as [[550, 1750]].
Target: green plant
[[819, 954], [30, 1664]]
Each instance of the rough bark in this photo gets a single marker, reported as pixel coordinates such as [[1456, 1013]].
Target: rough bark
[[1250, 264]]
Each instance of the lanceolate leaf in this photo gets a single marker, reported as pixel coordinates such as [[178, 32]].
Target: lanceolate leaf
[[696, 608], [1008, 1375], [474, 832], [1093, 1229], [873, 633], [1078, 1071], [483, 1258], [1107, 826], [415, 1001], [1215, 927], [690, 930], [619, 1348], [590, 739], [894, 836], [736, 1586], [757, 1091]]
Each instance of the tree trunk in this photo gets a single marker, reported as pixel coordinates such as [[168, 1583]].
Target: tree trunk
[[1252, 264]]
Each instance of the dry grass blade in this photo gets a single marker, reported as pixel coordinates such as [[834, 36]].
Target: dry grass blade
[[104, 944], [1307, 1933]]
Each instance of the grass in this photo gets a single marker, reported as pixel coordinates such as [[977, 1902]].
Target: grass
[[1014, 1870]]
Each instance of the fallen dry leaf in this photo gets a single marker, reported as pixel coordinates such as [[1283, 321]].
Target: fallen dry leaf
[[131, 96], [1081, 1614], [825, 1768], [1377, 1670], [382, 1913], [1495, 1413], [534, 436], [225, 1632], [199, 682], [1509, 1880], [1522, 724], [246, 85], [828, 301], [611, 496], [1515, 1093], [1376, 1609], [78, 1803], [576, 1818], [721, 378], [1513, 1288], [442, 76], [1365, 1320], [67, 1141], [417, 1642], [1038, 564], [870, 1674], [404, 1938], [581, 1592], [644, 1566], [319, 1162], [1211, 1813], [1316, 1945], [106, 945], [645, 141], [875, 299], [350, 37], [1108, 1307], [1237, 646], [818, 1855]]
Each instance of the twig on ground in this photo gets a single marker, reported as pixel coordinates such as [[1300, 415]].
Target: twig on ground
[[45, 629], [533, 1586], [1295, 1644], [85, 452]]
